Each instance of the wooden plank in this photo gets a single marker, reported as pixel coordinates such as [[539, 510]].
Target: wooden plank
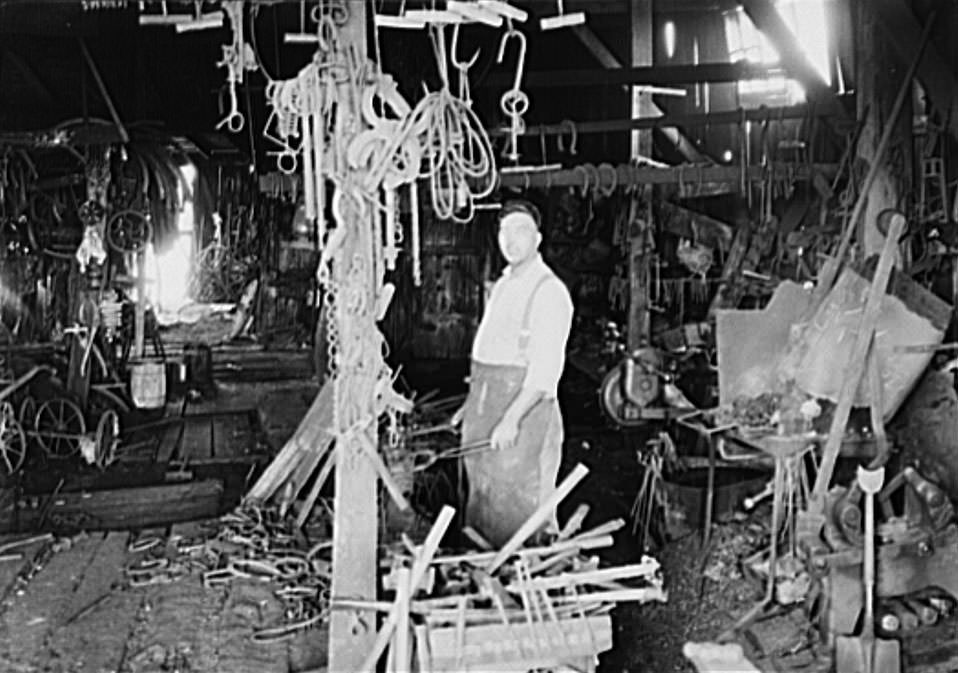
[[855, 366], [129, 507], [640, 73], [196, 440], [10, 570], [313, 434]]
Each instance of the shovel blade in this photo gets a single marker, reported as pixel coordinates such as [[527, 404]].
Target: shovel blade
[[855, 655], [849, 655], [887, 656]]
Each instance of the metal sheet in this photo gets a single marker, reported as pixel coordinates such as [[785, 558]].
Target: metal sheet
[[830, 336], [751, 343]]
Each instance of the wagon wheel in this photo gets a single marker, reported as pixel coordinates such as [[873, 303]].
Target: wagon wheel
[[129, 231], [28, 412], [106, 439], [13, 442], [59, 425]]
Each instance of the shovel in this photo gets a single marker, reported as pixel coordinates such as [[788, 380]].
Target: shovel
[[865, 654]]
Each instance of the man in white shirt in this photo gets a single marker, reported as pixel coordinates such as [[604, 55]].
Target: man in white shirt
[[517, 359]]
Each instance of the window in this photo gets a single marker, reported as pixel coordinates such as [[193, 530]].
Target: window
[[806, 19]]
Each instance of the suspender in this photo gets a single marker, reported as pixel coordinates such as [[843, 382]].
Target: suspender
[[524, 331]]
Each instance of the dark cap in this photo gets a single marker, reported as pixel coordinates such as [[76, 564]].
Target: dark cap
[[521, 206]]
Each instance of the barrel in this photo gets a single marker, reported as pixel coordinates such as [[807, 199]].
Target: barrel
[[148, 383]]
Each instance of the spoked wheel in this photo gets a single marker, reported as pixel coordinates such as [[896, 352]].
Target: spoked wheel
[[129, 231], [59, 426], [107, 437], [13, 441]]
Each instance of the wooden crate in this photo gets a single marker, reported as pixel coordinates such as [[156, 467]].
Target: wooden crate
[[572, 641]]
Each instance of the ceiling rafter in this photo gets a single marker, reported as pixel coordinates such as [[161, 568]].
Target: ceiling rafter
[[606, 58]]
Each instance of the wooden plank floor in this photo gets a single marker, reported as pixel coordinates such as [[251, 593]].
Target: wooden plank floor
[[79, 614]]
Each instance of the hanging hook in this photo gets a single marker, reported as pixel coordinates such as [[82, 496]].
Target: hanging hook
[[512, 33], [573, 132], [461, 66]]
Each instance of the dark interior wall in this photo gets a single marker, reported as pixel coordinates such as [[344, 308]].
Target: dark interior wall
[[151, 73], [154, 73]]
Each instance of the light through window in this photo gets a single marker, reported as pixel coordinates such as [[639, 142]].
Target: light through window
[[807, 21]]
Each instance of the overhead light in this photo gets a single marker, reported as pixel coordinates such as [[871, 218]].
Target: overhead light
[[505, 9], [473, 12]]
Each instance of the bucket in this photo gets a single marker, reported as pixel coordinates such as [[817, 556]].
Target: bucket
[[148, 383], [198, 358], [688, 490]]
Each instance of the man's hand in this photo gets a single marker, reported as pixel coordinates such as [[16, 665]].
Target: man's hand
[[456, 420], [504, 434]]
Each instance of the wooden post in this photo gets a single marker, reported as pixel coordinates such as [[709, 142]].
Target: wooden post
[[638, 329], [139, 310], [352, 633], [876, 94], [640, 14]]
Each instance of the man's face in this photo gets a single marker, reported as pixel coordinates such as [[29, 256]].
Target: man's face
[[518, 237]]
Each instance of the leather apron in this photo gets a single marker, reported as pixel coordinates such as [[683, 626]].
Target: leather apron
[[506, 487]]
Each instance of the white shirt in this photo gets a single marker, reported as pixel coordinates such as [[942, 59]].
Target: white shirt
[[498, 336]]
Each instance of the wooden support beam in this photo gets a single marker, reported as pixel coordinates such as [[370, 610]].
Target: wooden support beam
[[642, 56], [656, 75], [352, 634], [903, 32], [694, 178], [606, 58], [738, 116], [767, 19], [125, 508]]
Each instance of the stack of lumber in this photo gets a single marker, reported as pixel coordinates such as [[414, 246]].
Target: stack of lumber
[[516, 608], [308, 451]]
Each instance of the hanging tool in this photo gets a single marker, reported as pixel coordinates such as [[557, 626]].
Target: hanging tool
[[238, 57], [462, 66], [514, 102], [866, 653], [562, 20]]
